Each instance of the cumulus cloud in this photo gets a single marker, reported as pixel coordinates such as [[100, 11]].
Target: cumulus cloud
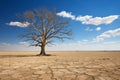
[[98, 28], [66, 14], [108, 34], [19, 24], [96, 20], [88, 19], [83, 19]]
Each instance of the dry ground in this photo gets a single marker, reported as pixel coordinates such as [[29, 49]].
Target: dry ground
[[60, 66]]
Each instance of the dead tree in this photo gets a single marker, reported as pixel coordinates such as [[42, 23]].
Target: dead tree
[[44, 27]]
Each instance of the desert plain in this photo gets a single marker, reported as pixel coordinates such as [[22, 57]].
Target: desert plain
[[66, 65]]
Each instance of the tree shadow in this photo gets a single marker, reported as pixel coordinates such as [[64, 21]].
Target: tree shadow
[[15, 56], [45, 55], [12, 56]]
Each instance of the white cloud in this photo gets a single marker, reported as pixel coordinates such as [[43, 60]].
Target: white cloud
[[24, 43], [20, 46], [110, 43], [88, 29], [84, 46], [98, 28], [5, 44], [66, 14], [88, 19], [108, 34], [74, 46], [84, 40], [19, 24], [83, 19], [96, 20]]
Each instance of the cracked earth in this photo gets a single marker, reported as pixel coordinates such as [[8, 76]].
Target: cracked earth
[[60, 66]]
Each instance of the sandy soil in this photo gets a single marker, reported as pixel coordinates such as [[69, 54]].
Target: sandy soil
[[60, 66]]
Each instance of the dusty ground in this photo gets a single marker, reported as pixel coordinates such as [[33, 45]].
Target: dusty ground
[[60, 66]]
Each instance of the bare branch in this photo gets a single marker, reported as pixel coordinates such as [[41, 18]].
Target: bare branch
[[45, 26]]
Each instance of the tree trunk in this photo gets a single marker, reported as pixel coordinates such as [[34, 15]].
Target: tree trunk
[[42, 53]]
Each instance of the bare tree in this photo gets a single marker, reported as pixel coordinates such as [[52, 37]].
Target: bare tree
[[44, 27]]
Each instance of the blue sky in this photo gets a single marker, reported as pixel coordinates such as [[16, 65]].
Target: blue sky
[[95, 24]]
